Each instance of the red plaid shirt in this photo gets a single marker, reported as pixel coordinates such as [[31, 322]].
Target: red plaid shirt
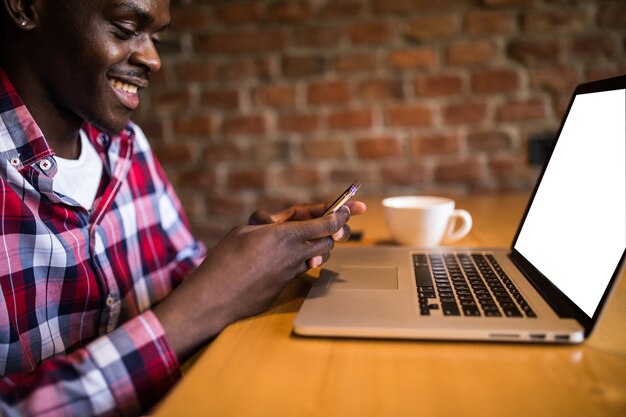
[[77, 336]]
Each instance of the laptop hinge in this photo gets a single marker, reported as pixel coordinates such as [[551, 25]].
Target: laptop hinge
[[554, 297]]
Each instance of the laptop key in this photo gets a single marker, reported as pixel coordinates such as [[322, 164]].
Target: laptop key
[[450, 309], [423, 277]]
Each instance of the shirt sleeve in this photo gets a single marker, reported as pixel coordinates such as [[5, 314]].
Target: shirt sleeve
[[123, 373]]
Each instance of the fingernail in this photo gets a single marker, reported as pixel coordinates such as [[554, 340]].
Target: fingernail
[[315, 261], [338, 235]]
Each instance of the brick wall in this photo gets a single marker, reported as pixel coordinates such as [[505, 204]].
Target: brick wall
[[265, 103]]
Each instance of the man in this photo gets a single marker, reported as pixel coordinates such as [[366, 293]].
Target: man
[[94, 315]]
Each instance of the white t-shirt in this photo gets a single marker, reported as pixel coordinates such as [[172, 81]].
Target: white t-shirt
[[79, 178]]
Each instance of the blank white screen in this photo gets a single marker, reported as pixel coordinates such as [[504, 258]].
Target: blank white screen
[[575, 230]]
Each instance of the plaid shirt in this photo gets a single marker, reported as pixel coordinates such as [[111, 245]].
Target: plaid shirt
[[77, 336]]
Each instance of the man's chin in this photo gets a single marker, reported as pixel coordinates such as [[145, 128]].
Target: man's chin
[[110, 127]]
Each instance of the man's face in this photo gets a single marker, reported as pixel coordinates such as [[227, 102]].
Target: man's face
[[95, 55]]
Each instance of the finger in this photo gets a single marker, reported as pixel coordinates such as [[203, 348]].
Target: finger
[[260, 217], [317, 228], [343, 234], [356, 207], [315, 261]]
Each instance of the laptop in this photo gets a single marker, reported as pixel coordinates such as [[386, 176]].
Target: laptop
[[550, 286]]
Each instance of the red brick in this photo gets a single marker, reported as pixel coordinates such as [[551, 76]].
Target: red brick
[[561, 79], [377, 90], [239, 42], [276, 95], [432, 27], [563, 18], [196, 179], [263, 151], [378, 147], [174, 153], [323, 149], [463, 170], [197, 71], [299, 176], [472, 52], [598, 73], [349, 8], [465, 113], [221, 152], [535, 51], [190, 17], [298, 122], [221, 99], [248, 178], [594, 46], [244, 69], [302, 65], [489, 22], [350, 119], [318, 36], [370, 33], [403, 6], [288, 11], [413, 58], [522, 110], [171, 100], [498, 80], [438, 144], [438, 85], [612, 14], [507, 167], [328, 92], [239, 12], [405, 174], [201, 125], [489, 141], [225, 205], [345, 175], [510, 2], [409, 115], [244, 125], [357, 63]]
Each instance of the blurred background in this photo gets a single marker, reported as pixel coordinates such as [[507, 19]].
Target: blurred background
[[261, 104]]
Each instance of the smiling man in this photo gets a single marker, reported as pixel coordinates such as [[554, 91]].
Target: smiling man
[[103, 288]]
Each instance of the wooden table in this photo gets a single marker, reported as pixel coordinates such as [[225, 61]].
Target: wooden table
[[258, 367]]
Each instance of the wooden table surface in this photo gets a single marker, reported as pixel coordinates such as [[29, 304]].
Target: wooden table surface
[[258, 367]]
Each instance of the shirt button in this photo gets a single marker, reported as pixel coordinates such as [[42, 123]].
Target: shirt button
[[15, 161], [110, 301], [45, 164]]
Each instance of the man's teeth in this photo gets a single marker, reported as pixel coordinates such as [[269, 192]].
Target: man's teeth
[[129, 88]]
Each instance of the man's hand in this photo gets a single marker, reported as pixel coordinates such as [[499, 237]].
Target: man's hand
[[245, 272]]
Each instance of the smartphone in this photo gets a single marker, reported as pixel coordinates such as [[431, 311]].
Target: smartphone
[[343, 198]]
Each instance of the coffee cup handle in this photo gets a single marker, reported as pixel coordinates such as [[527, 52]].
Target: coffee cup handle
[[463, 229]]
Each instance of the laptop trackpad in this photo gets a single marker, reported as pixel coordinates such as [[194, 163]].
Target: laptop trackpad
[[362, 278]]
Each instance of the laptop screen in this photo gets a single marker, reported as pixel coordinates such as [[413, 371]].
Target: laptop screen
[[575, 230]]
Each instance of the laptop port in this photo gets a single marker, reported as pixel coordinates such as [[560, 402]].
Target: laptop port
[[561, 337], [537, 336]]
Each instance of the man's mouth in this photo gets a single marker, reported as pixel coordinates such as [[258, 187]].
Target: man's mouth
[[120, 85], [126, 92]]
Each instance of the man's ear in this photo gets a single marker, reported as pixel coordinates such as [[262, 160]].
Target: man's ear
[[23, 13]]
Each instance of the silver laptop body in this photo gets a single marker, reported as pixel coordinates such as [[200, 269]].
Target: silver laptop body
[[563, 262]]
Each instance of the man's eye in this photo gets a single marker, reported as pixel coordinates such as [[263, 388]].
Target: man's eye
[[125, 32]]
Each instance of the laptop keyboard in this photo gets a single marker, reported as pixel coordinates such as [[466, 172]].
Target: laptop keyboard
[[466, 283]]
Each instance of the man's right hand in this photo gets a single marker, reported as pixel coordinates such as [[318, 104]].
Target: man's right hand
[[242, 276]]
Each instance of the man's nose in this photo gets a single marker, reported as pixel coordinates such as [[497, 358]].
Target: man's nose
[[146, 54]]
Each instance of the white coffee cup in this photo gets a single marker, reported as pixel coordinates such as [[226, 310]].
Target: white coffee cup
[[425, 221]]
